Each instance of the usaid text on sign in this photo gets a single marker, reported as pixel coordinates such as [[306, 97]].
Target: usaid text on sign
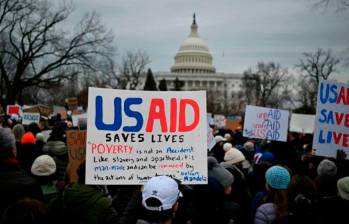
[[134, 135], [332, 118]]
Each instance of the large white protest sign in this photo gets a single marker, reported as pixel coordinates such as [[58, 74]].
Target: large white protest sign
[[266, 123], [332, 119], [302, 123], [29, 118], [134, 135]]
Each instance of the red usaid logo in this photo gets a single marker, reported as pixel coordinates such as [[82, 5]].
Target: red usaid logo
[[157, 112]]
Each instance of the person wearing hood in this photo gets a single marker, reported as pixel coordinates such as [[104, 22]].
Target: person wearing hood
[[28, 151], [87, 203], [237, 165], [57, 149], [211, 202], [15, 183]]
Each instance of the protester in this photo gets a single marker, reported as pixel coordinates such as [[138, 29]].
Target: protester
[[57, 149], [15, 184], [87, 203], [43, 170], [18, 130], [29, 211], [275, 204], [160, 200], [28, 151]]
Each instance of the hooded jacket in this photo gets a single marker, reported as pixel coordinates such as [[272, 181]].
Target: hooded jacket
[[86, 204]]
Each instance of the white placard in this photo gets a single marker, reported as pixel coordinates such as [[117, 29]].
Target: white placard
[[135, 135], [219, 120], [302, 123], [29, 118], [75, 118], [332, 119], [266, 123]]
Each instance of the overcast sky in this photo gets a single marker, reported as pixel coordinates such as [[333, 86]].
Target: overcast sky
[[239, 33]]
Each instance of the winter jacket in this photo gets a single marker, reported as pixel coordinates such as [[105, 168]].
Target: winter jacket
[[86, 204], [59, 152], [265, 214], [26, 155], [15, 184]]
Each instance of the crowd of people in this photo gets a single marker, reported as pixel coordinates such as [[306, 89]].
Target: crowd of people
[[249, 181]]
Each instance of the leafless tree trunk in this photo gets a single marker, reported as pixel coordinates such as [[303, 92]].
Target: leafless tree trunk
[[36, 51], [262, 87]]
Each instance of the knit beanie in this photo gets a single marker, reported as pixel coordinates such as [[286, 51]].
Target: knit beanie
[[28, 138], [343, 188], [215, 170], [249, 146], [43, 166], [327, 167], [277, 177], [18, 130], [40, 137], [233, 156], [7, 140], [227, 146]]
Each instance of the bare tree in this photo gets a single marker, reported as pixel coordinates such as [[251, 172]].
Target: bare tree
[[263, 86], [132, 66], [36, 51], [337, 5], [314, 66], [318, 65]]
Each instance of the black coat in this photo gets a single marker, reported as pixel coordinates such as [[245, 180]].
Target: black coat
[[15, 184]]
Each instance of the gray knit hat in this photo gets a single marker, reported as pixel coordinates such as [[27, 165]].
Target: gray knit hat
[[7, 139], [224, 177], [327, 167]]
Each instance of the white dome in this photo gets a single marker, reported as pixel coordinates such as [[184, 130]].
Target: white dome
[[193, 55]]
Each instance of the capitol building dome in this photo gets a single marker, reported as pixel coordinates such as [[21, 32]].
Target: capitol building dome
[[193, 55]]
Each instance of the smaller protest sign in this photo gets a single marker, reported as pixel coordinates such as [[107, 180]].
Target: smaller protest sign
[[211, 142], [266, 123], [233, 122], [302, 123], [29, 118], [76, 143], [72, 103], [41, 109], [219, 120], [76, 118], [13, 109]]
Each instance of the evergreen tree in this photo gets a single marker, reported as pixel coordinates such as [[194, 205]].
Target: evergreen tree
[[178, 84], [163, 85], [150, 83]]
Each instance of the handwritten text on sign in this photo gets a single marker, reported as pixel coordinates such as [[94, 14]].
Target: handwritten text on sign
[[266, 123], [332, 119], [76, 143], [134, 135], [29, 118]]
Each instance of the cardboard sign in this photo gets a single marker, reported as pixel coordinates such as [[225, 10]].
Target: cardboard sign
[[135, 135], [76, 143], [302, 123], [266, 123], [332, 119], [29, 118], [233, 122], [13, 109], [219, 120], [41, 109], [72, 103]]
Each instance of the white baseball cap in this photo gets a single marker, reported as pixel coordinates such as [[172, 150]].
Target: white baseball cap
[[163, 188]]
